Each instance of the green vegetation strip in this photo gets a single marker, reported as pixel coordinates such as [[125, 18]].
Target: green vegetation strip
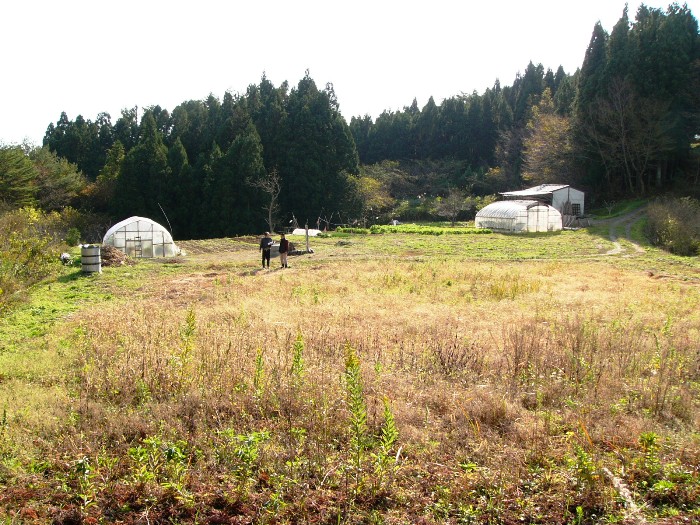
[[415, 229]]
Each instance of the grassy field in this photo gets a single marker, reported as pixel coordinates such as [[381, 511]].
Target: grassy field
[[380, 379]]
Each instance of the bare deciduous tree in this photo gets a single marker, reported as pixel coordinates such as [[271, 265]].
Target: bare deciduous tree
[[271, 185], [451, 205]]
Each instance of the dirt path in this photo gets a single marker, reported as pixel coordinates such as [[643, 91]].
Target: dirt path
[[622, 226]]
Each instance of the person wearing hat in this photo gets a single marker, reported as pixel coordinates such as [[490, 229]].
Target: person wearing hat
[[265, 245]]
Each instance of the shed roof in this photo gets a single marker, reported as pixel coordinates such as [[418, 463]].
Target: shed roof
[[542, 189], [507, 209]]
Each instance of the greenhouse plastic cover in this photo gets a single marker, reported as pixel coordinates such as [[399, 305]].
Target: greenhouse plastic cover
[[141, 237], [519, 216], [506, 209]]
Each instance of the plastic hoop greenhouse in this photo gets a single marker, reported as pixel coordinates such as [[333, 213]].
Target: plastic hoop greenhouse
[[141, 237], [519, 216]]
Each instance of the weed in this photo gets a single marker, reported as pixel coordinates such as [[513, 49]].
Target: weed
[[164, 462], [385, 461], [3, 423], [356, 406], [259, 375], [650, 463], [584, 468], [242, 453], [187, 348], [298, 360]]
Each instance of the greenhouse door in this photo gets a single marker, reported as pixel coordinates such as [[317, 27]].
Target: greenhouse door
[[138, 247], [537, 219], [132, 247]]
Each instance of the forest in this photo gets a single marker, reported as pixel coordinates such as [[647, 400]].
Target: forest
[[625, 124]]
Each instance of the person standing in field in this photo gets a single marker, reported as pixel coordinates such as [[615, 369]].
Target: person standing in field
[[265, 245], [284, 249]]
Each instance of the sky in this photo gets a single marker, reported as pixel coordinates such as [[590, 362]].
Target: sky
[[85, 57]]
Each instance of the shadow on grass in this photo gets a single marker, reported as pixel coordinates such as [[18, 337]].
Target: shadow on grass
[[75, 275]]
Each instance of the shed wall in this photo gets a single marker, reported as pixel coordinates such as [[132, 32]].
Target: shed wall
[[570, 195]]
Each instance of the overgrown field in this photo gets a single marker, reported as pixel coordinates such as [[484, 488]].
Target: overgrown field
[[381, 379]]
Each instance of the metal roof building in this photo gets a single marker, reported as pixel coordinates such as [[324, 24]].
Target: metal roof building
[[569, 201]]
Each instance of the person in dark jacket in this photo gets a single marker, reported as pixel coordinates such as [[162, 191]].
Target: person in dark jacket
[[284, 249], [265, 245]]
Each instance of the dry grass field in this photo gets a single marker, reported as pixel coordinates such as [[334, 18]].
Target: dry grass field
[[381, 379]]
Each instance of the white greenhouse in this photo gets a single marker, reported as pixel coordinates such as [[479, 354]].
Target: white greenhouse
[[519, 216], [141, 237]]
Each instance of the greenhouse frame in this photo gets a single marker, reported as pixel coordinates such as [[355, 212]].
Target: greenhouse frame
[[519, 216], [141, 238]]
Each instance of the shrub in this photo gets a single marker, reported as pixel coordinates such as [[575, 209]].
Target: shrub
[[73, 237], [29, 248], [674, 225]]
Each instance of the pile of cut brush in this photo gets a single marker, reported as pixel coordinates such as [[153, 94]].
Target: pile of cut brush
[[112, 256]]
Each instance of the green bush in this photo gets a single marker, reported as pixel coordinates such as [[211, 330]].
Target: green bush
[[29, 247], [674, 225], [73, 237]]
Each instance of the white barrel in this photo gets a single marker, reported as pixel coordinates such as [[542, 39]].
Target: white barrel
[[90, 258]]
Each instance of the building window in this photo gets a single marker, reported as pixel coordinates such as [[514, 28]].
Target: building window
[[576, 209]]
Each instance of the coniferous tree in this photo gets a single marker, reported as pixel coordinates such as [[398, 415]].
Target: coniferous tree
[[320, 153], [631, 128], [182, 195], [565, 96], [591, 78], [189, 124], [126, 129], [527, 90], [360, 128], [17, 177], [207, 177], [268, 109], [426, 130], [102, 193], [144, 174], [236, 205]]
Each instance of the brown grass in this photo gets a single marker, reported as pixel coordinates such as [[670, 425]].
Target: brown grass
[[496, 373]]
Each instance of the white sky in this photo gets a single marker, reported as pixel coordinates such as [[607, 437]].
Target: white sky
[[88, 56]]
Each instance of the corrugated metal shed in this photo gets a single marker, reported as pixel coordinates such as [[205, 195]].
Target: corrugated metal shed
[[569, 201]]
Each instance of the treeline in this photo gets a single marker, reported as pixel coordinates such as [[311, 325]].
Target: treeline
[[219, 168], [624, 124]]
